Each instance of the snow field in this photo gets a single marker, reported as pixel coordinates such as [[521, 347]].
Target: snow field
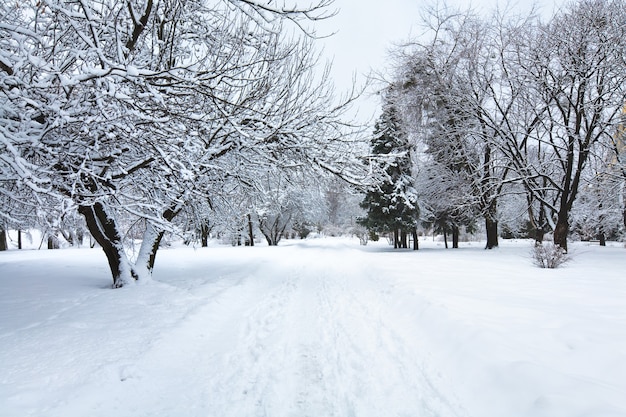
[[320, 327]]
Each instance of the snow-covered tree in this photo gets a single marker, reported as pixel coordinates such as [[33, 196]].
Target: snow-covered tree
[[512, 100], [392, 204], [134, 108], [578, 71], [445, 99]]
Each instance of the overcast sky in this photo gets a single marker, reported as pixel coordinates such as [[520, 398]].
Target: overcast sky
[[364, 31]]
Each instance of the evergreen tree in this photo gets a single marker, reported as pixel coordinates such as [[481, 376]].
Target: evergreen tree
[[392, 204]]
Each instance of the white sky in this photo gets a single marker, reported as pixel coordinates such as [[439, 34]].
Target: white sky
[[367, 29]]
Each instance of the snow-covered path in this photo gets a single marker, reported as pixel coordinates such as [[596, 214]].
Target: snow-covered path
[[316, 328], [311, 337]]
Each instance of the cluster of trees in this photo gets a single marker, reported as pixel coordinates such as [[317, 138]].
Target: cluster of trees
[[149, 116], [518, 121]]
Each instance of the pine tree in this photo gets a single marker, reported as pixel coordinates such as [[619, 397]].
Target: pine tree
[[392, 204]]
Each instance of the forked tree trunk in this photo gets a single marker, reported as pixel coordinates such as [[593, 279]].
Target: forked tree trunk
[[274, 230], [104, 230]]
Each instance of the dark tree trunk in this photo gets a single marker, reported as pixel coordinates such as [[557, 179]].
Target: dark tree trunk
[[396, 239], [250, 233], [53, 242], [491, 226], [3, 240], [490, 203], [445, 237], [415, 240], [602, 239], [104, 230], [561, 231], [404, 239], [204, 234], [492, 233], [455, 237], [19, 239]]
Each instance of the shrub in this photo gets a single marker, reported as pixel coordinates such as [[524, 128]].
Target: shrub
[[362, 233], [549, 255]]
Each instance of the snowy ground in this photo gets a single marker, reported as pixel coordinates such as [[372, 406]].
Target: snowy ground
[[317, 328]]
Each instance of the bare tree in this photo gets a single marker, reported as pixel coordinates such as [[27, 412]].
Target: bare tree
[[512, 100], [578, 69], [444, 90]]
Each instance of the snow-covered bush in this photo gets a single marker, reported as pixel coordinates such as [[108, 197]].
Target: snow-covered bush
[[362, 233], [549, 255]]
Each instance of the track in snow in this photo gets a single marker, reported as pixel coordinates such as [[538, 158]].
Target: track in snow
[[315, 338]]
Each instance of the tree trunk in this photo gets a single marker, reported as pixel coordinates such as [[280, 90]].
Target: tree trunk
[[3, 240], [104, 230], [492, 233], [561, 231], [19, 239], [274, 230], [204, 234], [404, 239], [602, 238], [537, 225], [147, 252], [415, 240], [396, 239], [53, 241], [455, 237], [491, 226], [445, 237], [150, 245], [250, 233]]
